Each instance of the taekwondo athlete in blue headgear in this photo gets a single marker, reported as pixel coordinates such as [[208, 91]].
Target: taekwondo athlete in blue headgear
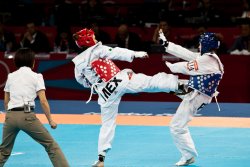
[[206, 71]]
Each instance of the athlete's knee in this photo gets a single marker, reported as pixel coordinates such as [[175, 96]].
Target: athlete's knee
[[168, 82], [158, 80], [165, 75], [172, 127], [176, 128], [160, 75]]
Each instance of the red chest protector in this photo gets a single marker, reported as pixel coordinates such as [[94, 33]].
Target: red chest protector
[[105, 68]]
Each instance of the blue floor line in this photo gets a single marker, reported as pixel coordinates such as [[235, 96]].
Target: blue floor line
[[144, 108]]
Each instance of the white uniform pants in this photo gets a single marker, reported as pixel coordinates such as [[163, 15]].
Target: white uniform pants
[[191, 103], [160, 82]]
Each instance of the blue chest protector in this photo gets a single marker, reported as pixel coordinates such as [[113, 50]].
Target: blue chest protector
[[206, 84]]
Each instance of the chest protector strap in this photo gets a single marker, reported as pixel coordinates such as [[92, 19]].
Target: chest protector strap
[[105, 69]]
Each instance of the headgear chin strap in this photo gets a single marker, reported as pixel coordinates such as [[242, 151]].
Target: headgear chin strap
[[84, 37], [208, 42]]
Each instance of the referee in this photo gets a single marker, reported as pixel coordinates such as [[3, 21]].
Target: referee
[[21, 89]]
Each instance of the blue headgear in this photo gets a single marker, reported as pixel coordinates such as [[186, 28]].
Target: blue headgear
[[208, 42]]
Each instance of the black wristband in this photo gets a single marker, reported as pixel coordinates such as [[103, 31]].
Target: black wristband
[[164, 43]]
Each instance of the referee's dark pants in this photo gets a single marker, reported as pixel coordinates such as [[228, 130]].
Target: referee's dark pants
[[30, 124]]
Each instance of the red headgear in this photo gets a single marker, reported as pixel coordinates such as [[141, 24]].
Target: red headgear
[[84, 37]]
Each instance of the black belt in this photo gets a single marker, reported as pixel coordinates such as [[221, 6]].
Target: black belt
[[21, 109]]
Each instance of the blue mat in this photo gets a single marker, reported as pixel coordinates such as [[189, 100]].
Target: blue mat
[[144, 108], [136, 146]]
